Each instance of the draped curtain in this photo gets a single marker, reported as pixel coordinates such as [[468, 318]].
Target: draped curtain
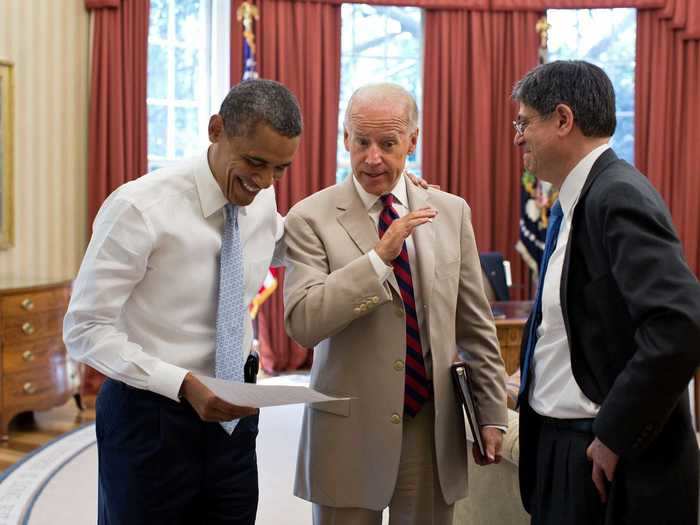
[[667, 109], [117, 134], [472, 60], [299, 45], [474, 52]]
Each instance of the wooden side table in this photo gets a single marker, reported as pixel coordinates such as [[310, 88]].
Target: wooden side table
[[34, 371], [511, 317]]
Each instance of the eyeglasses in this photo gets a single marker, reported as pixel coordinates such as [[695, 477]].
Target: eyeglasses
[[521, 125]]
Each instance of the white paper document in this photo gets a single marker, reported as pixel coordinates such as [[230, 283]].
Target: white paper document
[[258, 396]]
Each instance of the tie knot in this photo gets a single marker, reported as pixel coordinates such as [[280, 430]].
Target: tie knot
[[231, 212], [387, 200]]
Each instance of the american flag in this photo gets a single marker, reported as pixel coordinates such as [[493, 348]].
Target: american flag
[[249, 65]]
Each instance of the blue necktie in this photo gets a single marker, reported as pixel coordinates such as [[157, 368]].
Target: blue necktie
[[555, 217], [231, 312]]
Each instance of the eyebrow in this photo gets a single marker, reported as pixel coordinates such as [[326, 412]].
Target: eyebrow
[[265, 161]]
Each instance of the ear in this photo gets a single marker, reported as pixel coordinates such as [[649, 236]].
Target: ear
[[216, 128], [565, 119], [413, 141], [346, 138]]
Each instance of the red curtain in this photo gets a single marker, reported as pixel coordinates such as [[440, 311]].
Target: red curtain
[[542, 5], [298, 45], [514, 5], [472, 60], [117, 134], [667, 109], [236, 44]]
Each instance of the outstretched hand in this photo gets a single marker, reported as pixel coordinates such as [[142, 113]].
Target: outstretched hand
[[389, 246]]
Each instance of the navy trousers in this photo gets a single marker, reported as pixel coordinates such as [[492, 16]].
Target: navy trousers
[[160, 463]]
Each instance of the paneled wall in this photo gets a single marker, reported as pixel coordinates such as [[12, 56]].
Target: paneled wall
[[48, 42]]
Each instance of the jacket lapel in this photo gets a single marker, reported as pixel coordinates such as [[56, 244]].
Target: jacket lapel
[[601, 163], [424, 242], [355, 220]]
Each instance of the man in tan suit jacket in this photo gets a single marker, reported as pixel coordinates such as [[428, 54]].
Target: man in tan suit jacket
[[343, 297]]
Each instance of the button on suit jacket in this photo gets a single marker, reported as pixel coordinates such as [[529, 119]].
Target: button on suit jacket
[[349, 451]]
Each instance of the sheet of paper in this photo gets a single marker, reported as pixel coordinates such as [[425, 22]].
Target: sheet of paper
[[258, 396]]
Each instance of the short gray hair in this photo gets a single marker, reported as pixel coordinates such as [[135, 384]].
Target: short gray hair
[[388, 91], [260, 101]]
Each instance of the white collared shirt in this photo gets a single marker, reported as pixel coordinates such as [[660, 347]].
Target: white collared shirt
[[143, 307], [554, 391], [374, 206]]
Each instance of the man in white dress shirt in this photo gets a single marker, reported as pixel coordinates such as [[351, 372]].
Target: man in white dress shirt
[[605, 428], [144, 313]]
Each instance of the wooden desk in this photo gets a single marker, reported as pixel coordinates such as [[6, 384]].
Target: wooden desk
[[33, 363], [509, 327]]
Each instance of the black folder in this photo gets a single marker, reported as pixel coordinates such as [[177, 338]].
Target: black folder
[[464, 393]]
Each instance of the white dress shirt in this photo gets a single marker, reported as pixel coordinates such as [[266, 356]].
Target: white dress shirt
[[143, 308], [554, 391]]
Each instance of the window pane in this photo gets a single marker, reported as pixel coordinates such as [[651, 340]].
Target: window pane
[[607, 38], [178, 78], [186, 73], [157, 71], [158, 18], [186, 132], [187, 24], [157, 130], [379, 44], [623, 140]]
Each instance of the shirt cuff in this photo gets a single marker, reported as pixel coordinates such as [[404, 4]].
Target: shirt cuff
[[502, 428], [167, 380], [383, 271]]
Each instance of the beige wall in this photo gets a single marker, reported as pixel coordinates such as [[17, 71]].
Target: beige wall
[[48, 42]]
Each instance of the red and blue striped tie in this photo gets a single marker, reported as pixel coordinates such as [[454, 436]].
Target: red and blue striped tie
[[417, 390]]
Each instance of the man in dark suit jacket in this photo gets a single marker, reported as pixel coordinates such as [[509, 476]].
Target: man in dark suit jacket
[[614, 338]]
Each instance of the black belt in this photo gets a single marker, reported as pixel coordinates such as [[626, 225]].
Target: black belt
[[577, 425]]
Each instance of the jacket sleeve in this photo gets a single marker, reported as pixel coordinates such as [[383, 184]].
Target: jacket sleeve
[[663, 300], [318, 302], [477, 342]]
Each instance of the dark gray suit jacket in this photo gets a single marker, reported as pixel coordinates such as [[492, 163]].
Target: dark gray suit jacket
[[631, 308]]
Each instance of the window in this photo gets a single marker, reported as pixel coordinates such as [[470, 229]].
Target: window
[[379, 44], [185, 75], [607, 38]]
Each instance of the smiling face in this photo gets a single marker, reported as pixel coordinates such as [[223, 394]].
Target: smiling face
[[378, 137], [244, 165], [536, 141]]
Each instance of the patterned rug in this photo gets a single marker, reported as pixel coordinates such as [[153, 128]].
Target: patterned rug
[[57, 483]]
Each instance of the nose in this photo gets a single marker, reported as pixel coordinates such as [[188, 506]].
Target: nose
[[374, 155], [518, 139], [264, 177]]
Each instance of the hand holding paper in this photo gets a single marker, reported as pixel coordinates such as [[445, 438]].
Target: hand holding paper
[[258, 396]]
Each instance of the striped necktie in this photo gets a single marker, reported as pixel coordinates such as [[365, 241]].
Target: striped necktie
[[417, 389], [231, 312], [555, 217]]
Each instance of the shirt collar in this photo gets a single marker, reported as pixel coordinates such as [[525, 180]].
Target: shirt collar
[[370, 200], [211, 198], [573, 183]]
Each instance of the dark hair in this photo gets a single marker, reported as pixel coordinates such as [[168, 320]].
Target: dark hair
[[582, 86], [259, 101]]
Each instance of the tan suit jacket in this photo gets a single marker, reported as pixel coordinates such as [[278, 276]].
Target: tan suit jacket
[[349, 450]]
